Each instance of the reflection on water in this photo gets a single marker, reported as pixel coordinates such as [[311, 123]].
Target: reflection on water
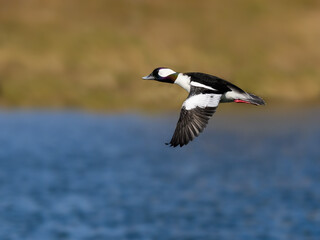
[[83, 176]]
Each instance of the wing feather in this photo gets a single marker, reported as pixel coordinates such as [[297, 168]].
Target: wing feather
[[195, 113]]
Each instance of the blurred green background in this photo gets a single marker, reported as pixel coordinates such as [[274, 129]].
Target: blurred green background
[[92, 54]]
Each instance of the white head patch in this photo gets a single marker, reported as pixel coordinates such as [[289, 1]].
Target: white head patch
[[165, 72]]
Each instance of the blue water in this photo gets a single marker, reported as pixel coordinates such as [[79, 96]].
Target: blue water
[[69, 175]]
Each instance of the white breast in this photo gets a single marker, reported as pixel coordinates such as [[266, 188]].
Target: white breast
[[183, 81]]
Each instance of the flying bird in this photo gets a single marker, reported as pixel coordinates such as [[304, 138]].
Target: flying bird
[[205, 93]]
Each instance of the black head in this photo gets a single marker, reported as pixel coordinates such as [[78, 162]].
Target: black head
[[162, 74]]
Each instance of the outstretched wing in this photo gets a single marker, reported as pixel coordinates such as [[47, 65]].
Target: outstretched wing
[[195, 113]]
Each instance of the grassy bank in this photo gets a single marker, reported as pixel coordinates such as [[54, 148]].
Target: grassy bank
[[92, 54]]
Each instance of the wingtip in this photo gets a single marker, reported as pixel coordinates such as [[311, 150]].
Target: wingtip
[[172, 145]]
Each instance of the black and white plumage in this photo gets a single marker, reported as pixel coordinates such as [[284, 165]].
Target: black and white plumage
[[205, 94]]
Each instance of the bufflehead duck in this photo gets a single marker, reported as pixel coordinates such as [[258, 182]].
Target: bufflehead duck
[[205, 93]]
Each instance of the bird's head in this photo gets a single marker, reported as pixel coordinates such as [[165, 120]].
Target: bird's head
[[162, 74]]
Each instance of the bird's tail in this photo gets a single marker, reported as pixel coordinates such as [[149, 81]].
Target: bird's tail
[[256, 100], [250, 98]]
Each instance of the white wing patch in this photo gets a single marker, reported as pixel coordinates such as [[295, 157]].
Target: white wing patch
[[196, 84], [202, 101]]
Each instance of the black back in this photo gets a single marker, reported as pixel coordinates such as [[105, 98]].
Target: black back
[[217, 83]]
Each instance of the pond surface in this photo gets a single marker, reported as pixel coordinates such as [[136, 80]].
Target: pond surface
[[70, 175]]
